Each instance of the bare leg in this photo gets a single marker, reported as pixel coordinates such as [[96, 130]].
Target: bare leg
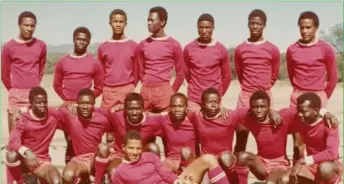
[[73, 171], [299, 147], [274, 176], [13, 168], [49, 174], [254, 163], [241, 139], [329, 172], [10, 122], [101, 162], [304, 177]]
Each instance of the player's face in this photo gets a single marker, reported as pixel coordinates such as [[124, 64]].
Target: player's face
[[211, 104], [118, 24], [133, 149], [134, 111], [205, 30], [306, 113], [256, 26], [178, 108], [81, 41], [39, 105], [307, 30], [27, 28], [85, 106], [260, 109], [154, 23]]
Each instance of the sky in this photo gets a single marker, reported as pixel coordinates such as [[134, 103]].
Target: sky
[[57, 20]]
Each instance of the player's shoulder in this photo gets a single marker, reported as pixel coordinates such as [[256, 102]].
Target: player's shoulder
[[39, 41], [325, 44], [271, 45], [8, 44], [293, 45], [190, 44], [220, 45]]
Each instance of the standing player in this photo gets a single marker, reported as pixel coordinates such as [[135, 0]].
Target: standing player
[[31, 138], [157, 56], [321, 165], [86, 131], [75, 71], [146, 168], [257, 64], [23, 61], [207, 63], [118, 57], [178, 135], [312, 67]]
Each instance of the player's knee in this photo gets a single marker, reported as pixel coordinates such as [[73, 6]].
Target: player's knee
[[283, 180], [109, 138], [11, 156], [69, 176], [154, 148], [103, 150], [270, 182], [226, 159], [56, 180], [186, 153], [242, 158], [326, 170]]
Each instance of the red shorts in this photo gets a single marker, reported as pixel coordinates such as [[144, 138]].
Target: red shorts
[[112, 96], [194, 106], [18, 98], [85, 161], [156, 96], [312, 170], [296, 93], [244, 99], [276, 163]]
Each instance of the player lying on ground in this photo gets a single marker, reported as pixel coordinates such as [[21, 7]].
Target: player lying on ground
[[271, 160], [146, 168], [321, 165], [30, 140], [216, 134]]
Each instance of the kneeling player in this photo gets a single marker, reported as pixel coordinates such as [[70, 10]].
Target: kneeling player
[[31, 138], [321, 164], [138, 167]]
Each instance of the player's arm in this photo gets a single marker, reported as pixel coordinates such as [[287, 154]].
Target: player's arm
[[226, 74], [275, 63], [178, 58], [290, 66], [15, 144], [140, 61], [6, 67], [58, 80], [98, 79], [135, 66], [331, 68], [167, 175], [238, 62], [42, 61], [187, 64]]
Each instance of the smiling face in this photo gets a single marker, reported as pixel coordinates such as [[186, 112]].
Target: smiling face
[[85, 106], [306, 113], [132, 149], [134, 111], [307, 30]]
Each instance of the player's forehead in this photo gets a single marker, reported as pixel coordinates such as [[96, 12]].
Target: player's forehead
[[211, 96], [40, 97], [134, 143], [178, 100], [85, 98], [28, 20], [306, 22], [204, 23], [260, 101]]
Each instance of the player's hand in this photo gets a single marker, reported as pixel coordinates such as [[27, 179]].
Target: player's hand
[[294, 171], [73, 108], [275, 118], [117, 108], [16, 115], [31, 159], [224, 112], [331, 120]]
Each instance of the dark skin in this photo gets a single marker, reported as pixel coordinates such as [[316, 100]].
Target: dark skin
[[81, 42], [27, 28], [256, 27], [259, 109], [308, 31], [47, 173], [156, 25], [118, 23], [205, 31]]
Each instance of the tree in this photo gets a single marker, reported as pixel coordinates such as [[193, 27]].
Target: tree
[[334, 35]]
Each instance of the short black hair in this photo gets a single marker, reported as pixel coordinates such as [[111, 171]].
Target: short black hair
[[133, 96], [312, 97], [206, 17], [309, 15], [118, 12], [210, 91], [26, 14], [257, 95], [84, 30], [36, 91], [258, 13], [162, 13], [181, 95], [131, 135], [86, 92]]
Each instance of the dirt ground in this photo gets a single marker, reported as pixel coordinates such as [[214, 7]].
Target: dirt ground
[[281, 92]]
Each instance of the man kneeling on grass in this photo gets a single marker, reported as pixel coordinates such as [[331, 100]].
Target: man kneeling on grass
[[146, 168]]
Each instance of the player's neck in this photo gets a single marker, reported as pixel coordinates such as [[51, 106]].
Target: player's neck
[[308, 43], [265, 120], [37, 116], [175, 121], [159, 34], [20, 39], [255, 39], [118, 37], [202, 41], [142, 120], [79, 53], [212, 116], [316, 121]]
